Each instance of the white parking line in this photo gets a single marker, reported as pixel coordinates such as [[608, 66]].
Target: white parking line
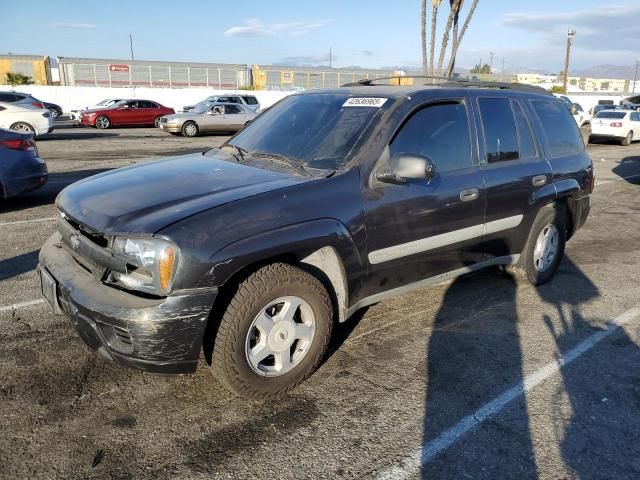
[[430, 450], [48, 219], [16, 306]]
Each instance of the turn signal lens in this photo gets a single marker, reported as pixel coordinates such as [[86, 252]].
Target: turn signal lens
[[167, 260]]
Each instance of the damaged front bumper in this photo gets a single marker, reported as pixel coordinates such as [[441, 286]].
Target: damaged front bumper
[[159, 335]]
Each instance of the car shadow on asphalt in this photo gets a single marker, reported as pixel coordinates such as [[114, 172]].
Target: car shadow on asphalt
[[474, 355], [47, 194], [14, 266], [75, 135], [628, 169]]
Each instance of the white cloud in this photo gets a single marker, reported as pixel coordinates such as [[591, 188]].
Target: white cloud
[[76, 26], [253, 27]]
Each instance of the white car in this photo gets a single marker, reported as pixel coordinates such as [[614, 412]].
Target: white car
[[581, 117], [621, 125], [76, 115], [38, 121]]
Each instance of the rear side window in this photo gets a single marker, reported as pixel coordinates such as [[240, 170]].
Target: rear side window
[[525, 135], [7, 97], [635, 117], [232, 109], [561, 130], [439, 132], [250, 100], [500, 135]]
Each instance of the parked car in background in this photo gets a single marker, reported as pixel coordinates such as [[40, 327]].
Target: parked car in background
[[217, 117], [248, 101], [620, 125], [330, 201], [28, 99], [128, 112], [21, 170], [76, 114], [582, 118], [601, 107], [25, 118]]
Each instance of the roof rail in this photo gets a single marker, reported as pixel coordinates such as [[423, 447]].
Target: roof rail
[[456, 82]]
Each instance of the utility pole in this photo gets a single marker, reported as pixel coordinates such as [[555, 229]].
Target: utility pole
[[635, 77], [330, 58], [491, 62], [570, 34], [502, 66], [131, 46]]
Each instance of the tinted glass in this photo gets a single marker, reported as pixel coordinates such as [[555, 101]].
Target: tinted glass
[[635, 116], [525, 135], [610, 114], [439, 132], [232, 109], [7, 97], [560, 128], [500, 135], [250, 100], [315, 129]]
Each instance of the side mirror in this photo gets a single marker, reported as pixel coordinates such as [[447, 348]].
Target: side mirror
[[406, 166], [574, 109]]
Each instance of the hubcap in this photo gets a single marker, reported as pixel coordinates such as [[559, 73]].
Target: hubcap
[[280, 336], [22, 128], [190, 129], [546, 248], [103, 122]]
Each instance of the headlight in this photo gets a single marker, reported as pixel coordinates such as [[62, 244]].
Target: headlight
[[151, 263]]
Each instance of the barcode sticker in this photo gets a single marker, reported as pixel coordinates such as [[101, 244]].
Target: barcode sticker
[[364, 102]]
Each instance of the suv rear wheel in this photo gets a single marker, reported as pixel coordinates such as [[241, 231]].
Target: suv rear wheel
[[545, 246], [274, 333]]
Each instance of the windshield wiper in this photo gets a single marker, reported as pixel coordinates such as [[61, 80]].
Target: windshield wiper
[[240, 152], [283, 159]]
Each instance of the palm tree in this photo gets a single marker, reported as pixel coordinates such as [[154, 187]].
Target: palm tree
[[458, 38], [435, 4], [423, 25], [14, 79], [455, 5]]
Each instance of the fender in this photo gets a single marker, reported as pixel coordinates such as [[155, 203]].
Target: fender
[[567, 187], [300, 240]]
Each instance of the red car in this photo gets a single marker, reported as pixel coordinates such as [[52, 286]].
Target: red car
[[127, 112]]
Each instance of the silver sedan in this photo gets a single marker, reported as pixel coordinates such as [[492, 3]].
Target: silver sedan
[[216, 117]]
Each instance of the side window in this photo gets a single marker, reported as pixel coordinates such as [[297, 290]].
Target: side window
[[561, 130], [132, 104], [439, 132], [635, 116], [250, 100], [217, 109], [500, 135], [7, 97], [525, 135], [233, 109]]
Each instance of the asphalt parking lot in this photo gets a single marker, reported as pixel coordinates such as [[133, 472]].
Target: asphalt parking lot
[[484, 377]]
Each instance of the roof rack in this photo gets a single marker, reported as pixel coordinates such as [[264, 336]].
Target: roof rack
[[456, 82]]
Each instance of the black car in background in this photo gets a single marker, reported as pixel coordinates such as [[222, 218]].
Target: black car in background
[[21, 169], [26, 98], [329, 201]]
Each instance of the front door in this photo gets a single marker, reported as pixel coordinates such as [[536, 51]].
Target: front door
[[420, 229]]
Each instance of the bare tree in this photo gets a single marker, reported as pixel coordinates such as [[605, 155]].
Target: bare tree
[[423, 25], [435, 4], [458, 38]]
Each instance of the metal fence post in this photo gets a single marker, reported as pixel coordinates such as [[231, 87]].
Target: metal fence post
[[188, 76], [206, 70], [150, 81], [170, 77], [109, 71], [219, 80], [95, 76]]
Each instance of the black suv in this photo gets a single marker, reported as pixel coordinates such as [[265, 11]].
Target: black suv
[[329, 201]]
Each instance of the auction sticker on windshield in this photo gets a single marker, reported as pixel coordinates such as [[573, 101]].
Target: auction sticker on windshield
[[364, 102]]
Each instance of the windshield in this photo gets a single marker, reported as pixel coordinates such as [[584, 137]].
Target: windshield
[[610, 114], [317, 130], [200, 108], [209, 99]]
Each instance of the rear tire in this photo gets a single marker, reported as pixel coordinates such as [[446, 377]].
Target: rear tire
[[23, 127], [190, 129], [54, 112], [258, 321], [156, 121], [102, 122], [626, 141], [545, 245]]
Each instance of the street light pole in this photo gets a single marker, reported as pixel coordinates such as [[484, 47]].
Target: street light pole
[[635, 77], [570, 34]]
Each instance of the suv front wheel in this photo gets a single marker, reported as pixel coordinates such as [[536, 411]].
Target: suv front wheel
[[274, 332], [545, 246]]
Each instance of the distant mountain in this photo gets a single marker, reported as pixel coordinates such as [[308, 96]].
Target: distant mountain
[[620, 72]]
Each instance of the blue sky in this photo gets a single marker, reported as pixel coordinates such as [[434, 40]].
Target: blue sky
[[372, 33]]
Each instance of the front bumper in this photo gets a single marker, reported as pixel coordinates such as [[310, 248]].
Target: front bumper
[[170, 127], [159, 335]]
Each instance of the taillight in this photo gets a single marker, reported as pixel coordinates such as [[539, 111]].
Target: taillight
[[616, 124], [38, 104], [19, 144]]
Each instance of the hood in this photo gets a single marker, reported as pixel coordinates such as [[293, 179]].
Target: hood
[[96, 109], [143, 199], [181, 117]]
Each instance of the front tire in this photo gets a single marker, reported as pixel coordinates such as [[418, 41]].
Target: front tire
[[190, 129], [102, 122], [274, 332], [626, 141], [544, 249]]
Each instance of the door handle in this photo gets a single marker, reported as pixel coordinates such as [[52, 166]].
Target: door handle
[[539, 180], [469, 194]]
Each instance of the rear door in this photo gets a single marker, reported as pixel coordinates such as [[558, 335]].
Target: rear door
[[420, 229], [515, 172], [147, 112], [234, 117]]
